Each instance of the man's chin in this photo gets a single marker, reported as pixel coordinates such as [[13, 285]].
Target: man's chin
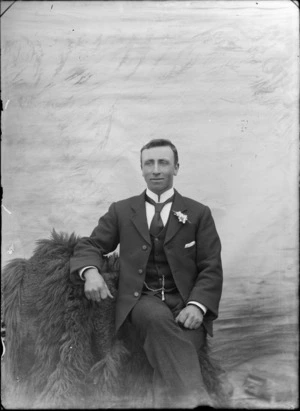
[[157, 188]]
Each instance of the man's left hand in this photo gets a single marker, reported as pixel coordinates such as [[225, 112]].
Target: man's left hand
[[190, 317]]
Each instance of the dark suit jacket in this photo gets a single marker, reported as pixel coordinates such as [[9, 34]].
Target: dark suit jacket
[[197, 270]]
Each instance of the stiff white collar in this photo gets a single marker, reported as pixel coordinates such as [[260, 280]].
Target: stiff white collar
[[163, 197]]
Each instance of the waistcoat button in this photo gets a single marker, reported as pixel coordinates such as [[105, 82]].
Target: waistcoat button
[[144, 247], [136, 294], [140, 271]]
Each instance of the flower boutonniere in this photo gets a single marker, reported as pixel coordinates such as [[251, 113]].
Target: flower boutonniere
[[182, 218]]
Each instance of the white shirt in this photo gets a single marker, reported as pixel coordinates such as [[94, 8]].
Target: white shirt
[[150, 211]]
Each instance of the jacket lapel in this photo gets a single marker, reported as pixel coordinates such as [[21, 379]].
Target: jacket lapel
[[174, 225], [139, 217]]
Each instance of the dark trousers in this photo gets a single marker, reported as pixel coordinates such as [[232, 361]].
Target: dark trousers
[[171, 350]]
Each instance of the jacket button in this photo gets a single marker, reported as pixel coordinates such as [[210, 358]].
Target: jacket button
[[136, 294], [140, 271], [144, 247]]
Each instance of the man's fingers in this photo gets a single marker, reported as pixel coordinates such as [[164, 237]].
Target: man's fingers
[[178, 318], [188, 323], [192, 323], [109, 293], [92, 295], [181, 318], [105, 292], [189, 319], [97, 291], [96, 296]]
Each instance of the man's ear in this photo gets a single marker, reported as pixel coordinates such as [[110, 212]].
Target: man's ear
[[176, 168]]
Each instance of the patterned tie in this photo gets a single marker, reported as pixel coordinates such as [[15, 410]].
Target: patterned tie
[[156, 223]]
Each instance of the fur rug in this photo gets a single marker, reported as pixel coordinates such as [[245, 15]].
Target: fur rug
[[61, 349]]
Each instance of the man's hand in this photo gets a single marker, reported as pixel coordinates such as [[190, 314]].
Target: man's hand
[[95, 287], [190, 317]]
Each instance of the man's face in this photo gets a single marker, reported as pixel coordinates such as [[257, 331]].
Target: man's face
[[158, 168]]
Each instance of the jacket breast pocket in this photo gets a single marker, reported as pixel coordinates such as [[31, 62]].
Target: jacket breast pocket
[[190, 251]]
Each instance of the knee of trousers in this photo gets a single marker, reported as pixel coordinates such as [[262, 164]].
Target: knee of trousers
[[162, 328], [152, 324]]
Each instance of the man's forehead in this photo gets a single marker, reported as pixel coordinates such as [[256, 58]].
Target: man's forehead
[[157, 153]]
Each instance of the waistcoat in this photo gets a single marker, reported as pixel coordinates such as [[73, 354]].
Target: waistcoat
[[158, 266]]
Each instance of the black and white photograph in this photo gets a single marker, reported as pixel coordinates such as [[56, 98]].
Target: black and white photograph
[[150, 204]]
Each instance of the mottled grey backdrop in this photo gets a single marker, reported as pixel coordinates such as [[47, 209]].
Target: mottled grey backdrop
[[86, 84]]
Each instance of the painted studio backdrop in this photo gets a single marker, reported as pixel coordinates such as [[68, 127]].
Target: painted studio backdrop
[[86, 84]]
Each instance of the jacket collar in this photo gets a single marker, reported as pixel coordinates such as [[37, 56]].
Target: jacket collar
[[174, 225], [139, 218]]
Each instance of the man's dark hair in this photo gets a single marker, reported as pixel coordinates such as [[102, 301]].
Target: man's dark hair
[[161, 142]]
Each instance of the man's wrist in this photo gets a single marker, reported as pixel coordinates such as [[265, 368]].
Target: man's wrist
[[201, 307], [83, 271], [202, 311]]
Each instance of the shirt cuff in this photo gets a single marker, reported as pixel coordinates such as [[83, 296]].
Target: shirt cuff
[[199, 305], [80, 272]]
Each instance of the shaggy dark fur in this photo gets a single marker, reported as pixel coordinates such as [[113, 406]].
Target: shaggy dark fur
[[62, 350]]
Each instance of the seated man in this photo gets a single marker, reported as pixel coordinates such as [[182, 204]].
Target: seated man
[[170, 279]]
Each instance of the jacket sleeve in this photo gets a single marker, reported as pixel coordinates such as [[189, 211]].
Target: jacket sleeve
[[208, 286], [89, 251]]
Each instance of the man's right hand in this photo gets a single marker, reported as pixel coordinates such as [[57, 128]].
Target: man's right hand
[[95, 287]]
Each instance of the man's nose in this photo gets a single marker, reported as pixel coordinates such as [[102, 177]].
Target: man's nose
[[156, 169]]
